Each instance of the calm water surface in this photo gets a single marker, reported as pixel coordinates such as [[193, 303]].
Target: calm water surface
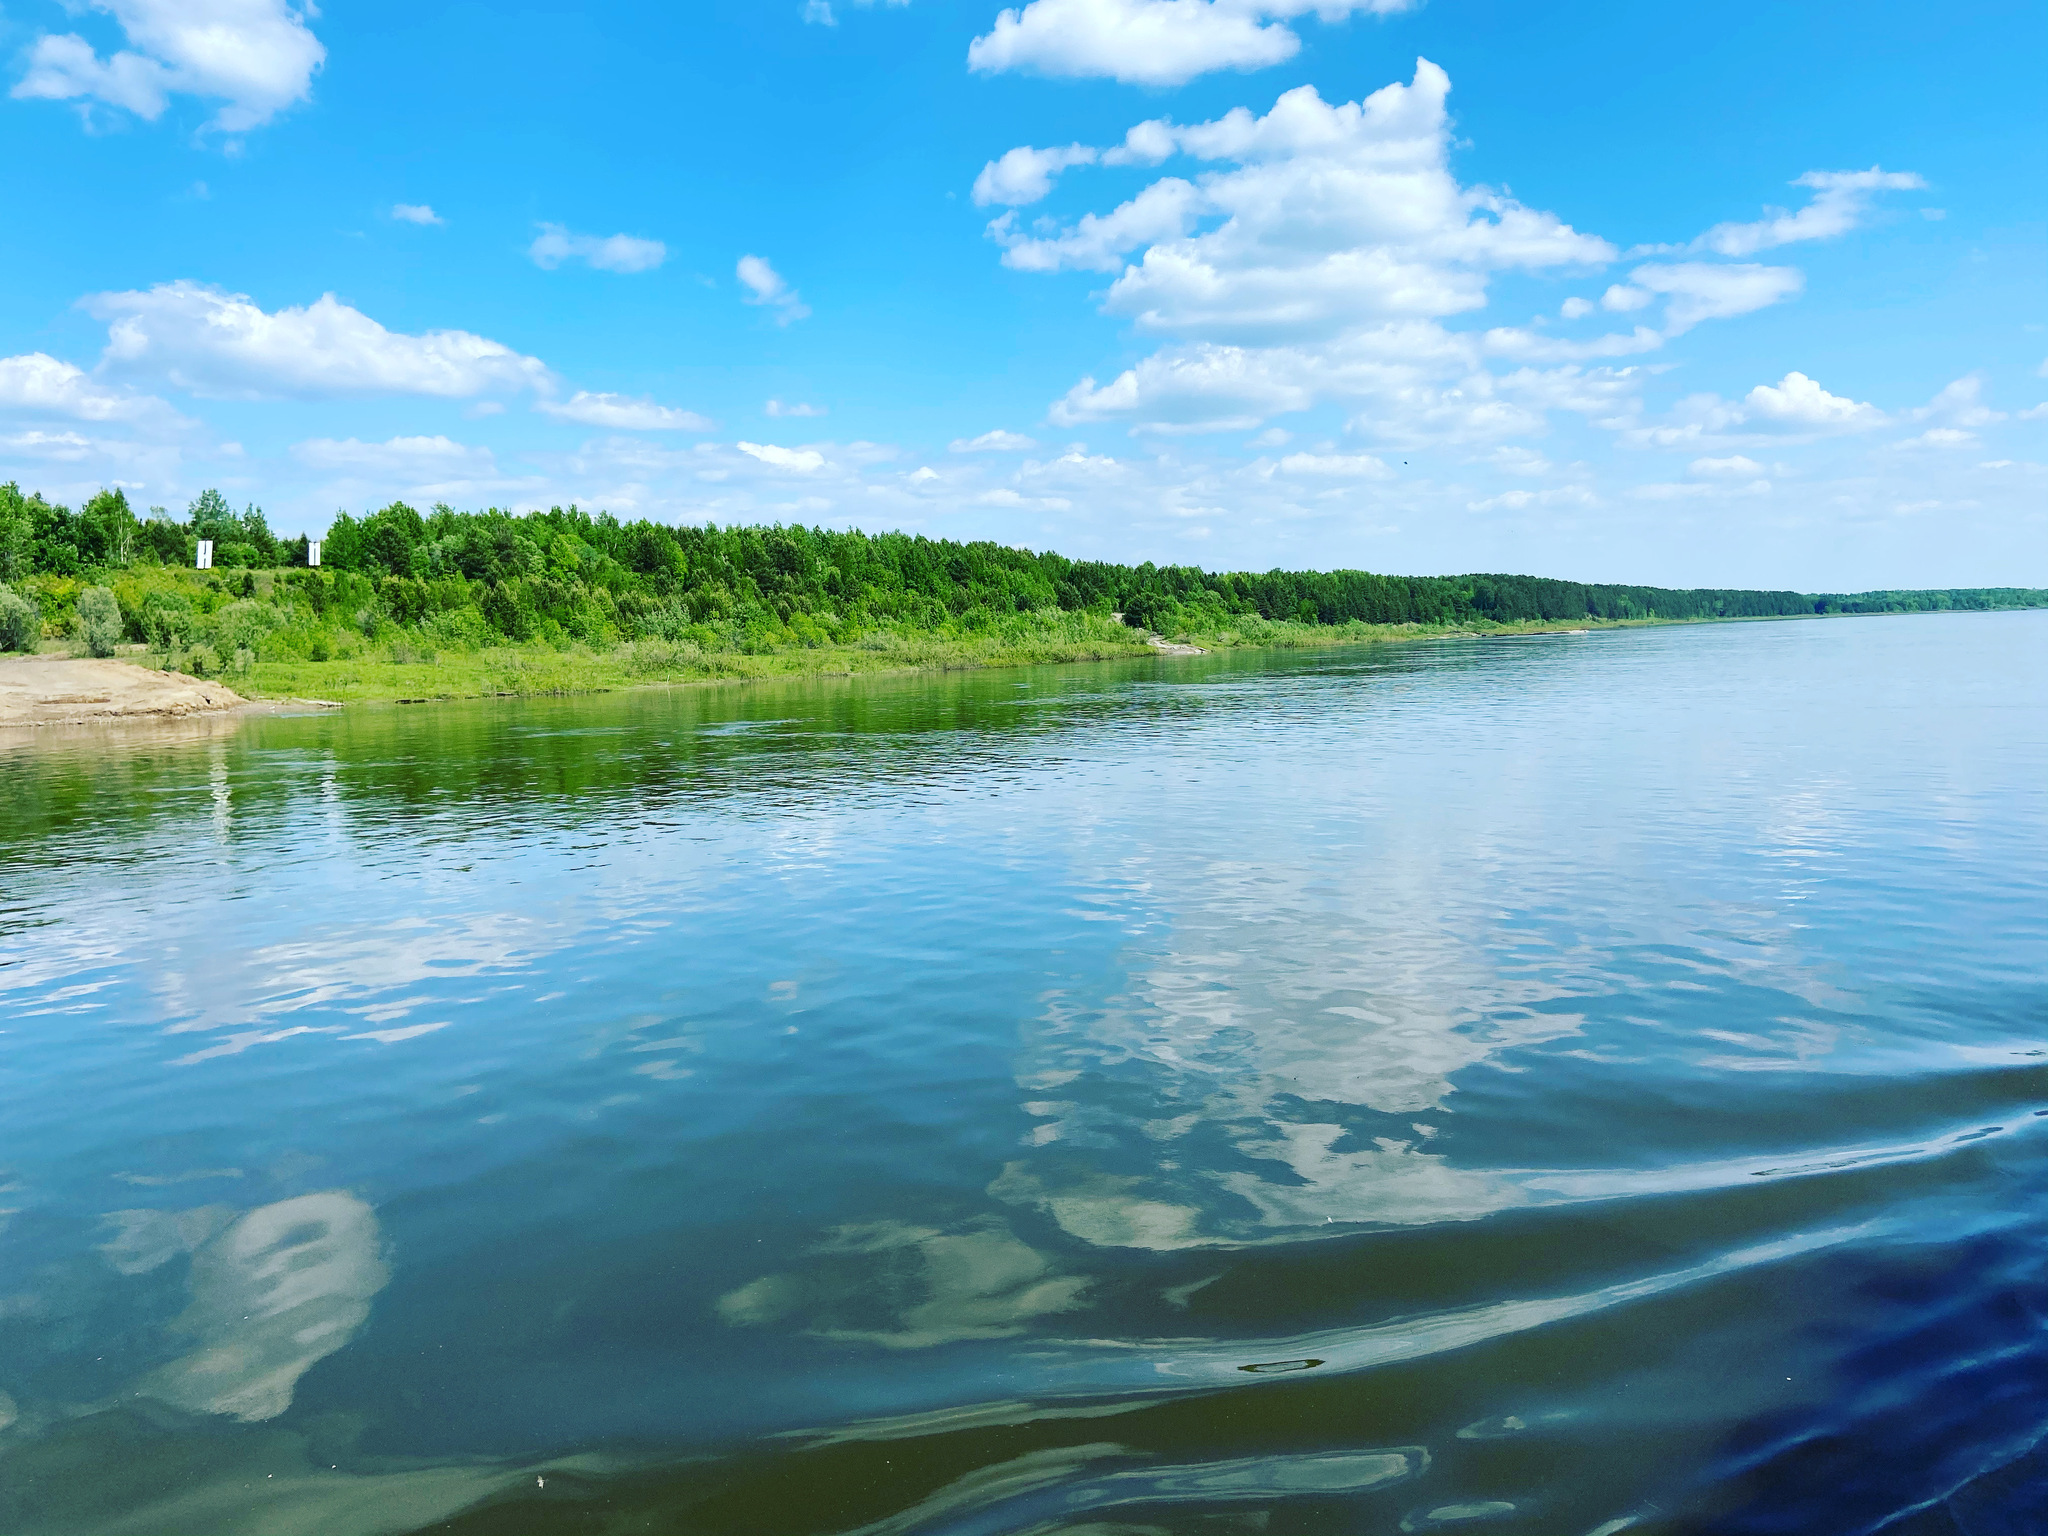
[[1541, 1087]]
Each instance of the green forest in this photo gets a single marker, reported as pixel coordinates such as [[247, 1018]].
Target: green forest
[[400, 586]]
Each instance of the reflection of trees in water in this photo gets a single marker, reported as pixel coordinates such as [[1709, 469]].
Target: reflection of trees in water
[[492, 766]]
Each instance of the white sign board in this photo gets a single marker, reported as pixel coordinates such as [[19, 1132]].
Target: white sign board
[[205, 554], [312, 552]]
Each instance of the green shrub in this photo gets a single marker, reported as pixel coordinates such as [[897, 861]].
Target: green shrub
[[203, 661], [98, 621], [243, 626], [21, 623], [168, 621]]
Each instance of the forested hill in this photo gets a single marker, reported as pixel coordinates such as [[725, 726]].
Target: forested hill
[[493, 575]]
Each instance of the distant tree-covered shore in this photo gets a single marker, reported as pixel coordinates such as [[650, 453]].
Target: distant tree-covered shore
[[469, 580]]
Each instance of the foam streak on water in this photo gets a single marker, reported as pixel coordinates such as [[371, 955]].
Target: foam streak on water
[[1592, 1084]]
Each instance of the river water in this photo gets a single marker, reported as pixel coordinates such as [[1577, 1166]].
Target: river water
[[1522, 1087]]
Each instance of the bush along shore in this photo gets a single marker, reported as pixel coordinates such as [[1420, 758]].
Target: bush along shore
[[449, 604]]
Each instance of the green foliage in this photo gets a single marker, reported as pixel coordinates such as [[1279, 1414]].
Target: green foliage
[[452, 584], [98, 621], [21, 623], [17, 534], [168, 621]]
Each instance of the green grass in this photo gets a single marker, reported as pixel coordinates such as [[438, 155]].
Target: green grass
[[403, 671]]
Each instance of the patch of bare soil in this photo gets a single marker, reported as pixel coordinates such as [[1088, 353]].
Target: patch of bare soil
[[61, 690]]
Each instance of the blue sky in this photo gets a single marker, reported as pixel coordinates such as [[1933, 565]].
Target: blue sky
[[1748, 297]]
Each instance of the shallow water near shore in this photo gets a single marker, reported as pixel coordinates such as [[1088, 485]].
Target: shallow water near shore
[[1541, 1087]]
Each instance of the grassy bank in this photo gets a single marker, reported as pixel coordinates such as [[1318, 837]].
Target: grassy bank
[[410, 673]]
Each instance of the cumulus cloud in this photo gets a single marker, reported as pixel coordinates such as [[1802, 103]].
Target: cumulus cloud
[[1840, 202], [792, 408], [255, 57], [415, 213], [1152, 42], [765, 286], [1024, 175], [1314, 253], [1797, 401], [997, 441], [40, 385], [1323, 215], [621, 413], [555, 245], [213, 342], [1795, 408]]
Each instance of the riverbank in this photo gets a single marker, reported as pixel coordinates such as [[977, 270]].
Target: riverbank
[[64, 690], [407, 674]]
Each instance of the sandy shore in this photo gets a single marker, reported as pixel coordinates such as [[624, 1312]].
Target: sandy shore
[[61, 690]]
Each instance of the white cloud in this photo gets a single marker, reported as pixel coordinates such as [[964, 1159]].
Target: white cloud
[[1621, 299], [766, 286], [555, 245], [1696, 291], [1346, 466], [255, 57], [1523, 501], [1942, 437], [792, 408], [819, 12], [1520, 461], [622, 414], [1314, 257], [997, 441], [396, 457], [1099, 242], [1152, 42], [1328, 214], [797, 460], [212, 342], [1575, 308], [59, 447], [1840, 201], [38, 384], [1024, 175], [1734, 465], [1797, 401], [415, 213], [1794, 408], [1960, 404], [1695, 490]]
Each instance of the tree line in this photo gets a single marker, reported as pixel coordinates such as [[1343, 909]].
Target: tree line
[[478, 578]]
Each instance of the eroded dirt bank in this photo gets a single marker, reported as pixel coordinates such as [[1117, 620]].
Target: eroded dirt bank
[[61, 690]]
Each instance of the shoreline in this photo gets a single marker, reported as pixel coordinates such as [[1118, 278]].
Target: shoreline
[[79, 691]]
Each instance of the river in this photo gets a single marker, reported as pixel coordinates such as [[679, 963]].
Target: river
[[1526, 1087]]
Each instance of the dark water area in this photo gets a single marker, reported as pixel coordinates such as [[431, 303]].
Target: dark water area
[[1544, 1087]]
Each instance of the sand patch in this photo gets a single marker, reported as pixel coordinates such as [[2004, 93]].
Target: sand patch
[[59, 690]]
